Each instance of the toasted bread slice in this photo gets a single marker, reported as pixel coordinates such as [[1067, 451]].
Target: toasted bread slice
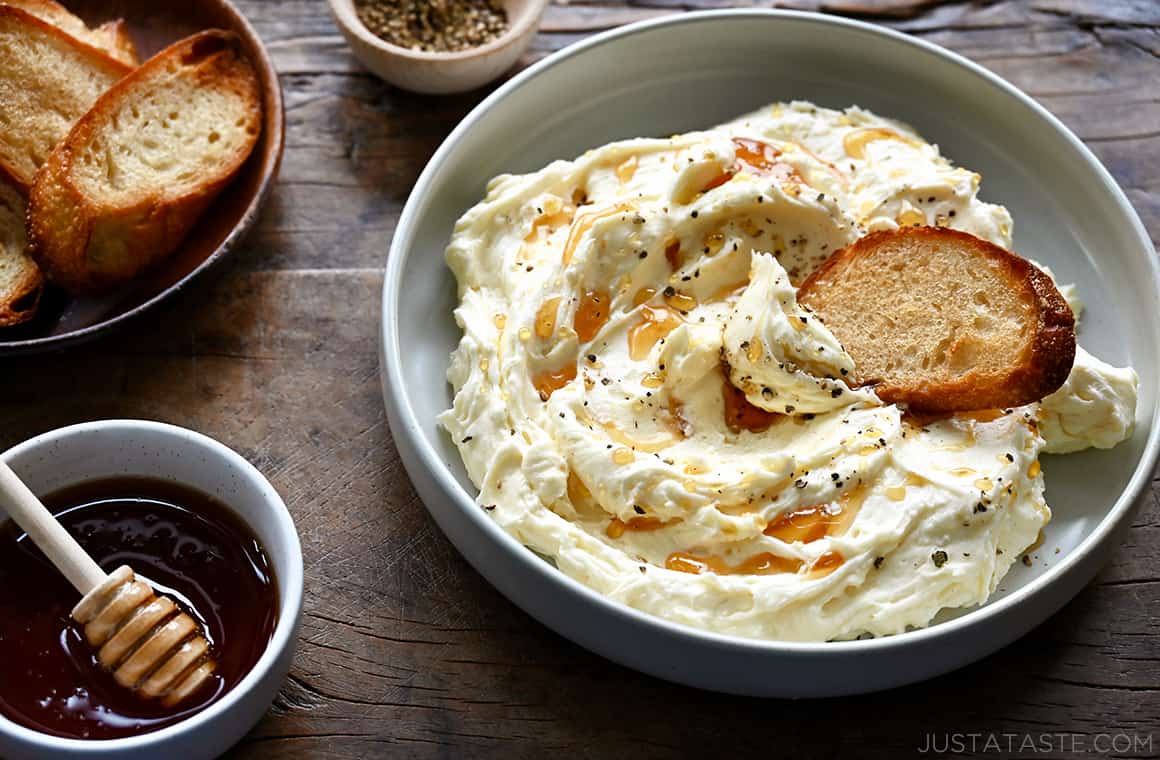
[[132, 177], [20, 278], [48, 80], [112, 37], [944, 321]]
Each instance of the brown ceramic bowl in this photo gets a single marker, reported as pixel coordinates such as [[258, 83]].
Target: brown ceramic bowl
[[63, 320]]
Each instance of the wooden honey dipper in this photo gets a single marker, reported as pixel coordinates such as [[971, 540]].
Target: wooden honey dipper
[[147, 643]]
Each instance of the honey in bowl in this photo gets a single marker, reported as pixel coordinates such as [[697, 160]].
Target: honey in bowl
[[185, 544]]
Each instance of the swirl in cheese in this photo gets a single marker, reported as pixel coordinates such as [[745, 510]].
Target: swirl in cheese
[[640, 397]]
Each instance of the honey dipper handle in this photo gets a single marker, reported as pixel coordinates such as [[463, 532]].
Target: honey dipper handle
[[61, 549]]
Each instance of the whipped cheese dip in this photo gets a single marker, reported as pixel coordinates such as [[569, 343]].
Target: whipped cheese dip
[[640, 398]]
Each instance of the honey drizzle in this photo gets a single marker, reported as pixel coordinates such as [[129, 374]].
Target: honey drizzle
[[618, 527], [626, 169], [584, 222], [623, 456], [676, 419], [674, 255], [653, 380], [808, 524], [761, 158], [855, 142], [550, 219], [742, 415], [549, 381], [643, 295], [656, 322], [719, 180], [545, 323], [591, 315], [805, 524], [713, 242], [758, 158], [763, 563], [731, 290], [827, 563], [578, 493], [680, 301], [651, 446], [911, 218]]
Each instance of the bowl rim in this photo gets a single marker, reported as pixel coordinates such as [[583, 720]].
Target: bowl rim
[[394, 381], [347, 16], [290, 590], [271, 161]]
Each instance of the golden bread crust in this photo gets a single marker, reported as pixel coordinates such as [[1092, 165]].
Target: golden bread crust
[[111, 38], [21, 280], [16, 160], [90, 241], [1033, 364]]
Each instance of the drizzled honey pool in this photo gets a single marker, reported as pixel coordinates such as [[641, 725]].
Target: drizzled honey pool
[[640, 398]]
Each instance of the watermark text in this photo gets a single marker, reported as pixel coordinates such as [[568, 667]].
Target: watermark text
[[1030, 743]]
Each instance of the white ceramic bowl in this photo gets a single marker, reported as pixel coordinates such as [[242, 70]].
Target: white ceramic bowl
[[133, 447], [440, 73], [693, 71]]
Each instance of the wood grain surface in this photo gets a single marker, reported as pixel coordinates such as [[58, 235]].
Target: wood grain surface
[[405, 650]]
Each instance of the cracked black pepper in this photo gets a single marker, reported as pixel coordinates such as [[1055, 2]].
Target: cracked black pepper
[[434, 26]]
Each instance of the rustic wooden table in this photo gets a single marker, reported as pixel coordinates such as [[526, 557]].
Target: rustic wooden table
[[405, 650]]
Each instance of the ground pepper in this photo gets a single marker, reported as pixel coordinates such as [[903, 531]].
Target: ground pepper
[[434, 26]]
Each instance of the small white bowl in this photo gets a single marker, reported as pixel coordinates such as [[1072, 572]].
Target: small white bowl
[[690, 72], [441, 73], [110, 448]]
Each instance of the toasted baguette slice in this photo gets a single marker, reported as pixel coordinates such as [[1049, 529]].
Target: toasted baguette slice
[[944, 321], [132, 177], [20, 278], [48, 80], [112, 37]]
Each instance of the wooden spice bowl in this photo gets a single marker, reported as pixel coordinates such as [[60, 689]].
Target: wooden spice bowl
[[441, 73]]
